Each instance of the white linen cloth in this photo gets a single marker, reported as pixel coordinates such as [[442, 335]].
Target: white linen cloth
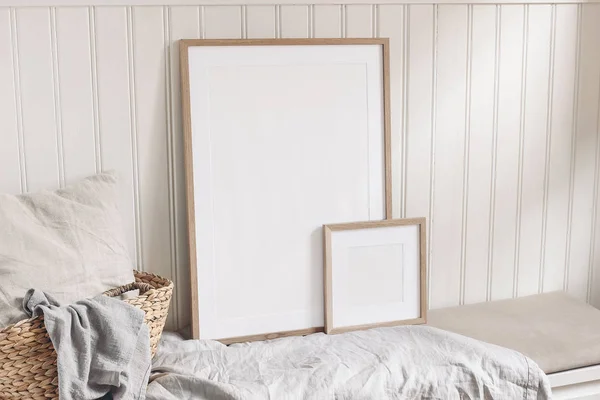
[[409, 362]]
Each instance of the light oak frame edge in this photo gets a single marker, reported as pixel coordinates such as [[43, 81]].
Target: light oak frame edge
[[186, 122], [184, 44], [327, 282]]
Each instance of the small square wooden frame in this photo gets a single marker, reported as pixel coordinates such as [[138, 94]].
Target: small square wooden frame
[[328, 272]]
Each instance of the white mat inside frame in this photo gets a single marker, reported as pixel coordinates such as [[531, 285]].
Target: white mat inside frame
[[281, 138]]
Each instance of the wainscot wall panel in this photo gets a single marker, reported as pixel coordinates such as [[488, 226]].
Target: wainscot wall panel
[[585, 143], [42, 136], [392, 24], [154, 139], [594, 261], [452, 83], [480, 134], [557, 196], [360, 21], [511, 74], [328, 21], [495, 113], [10, 149], [420, 115], [76, 98], [534, 149], [222, 22], [116, 112], [259, 22], [293, 22]]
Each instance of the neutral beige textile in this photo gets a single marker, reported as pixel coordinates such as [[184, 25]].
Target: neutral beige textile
[[557, 331], [68, 243]]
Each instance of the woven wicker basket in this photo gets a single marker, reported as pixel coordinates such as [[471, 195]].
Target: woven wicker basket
[[28, 359]]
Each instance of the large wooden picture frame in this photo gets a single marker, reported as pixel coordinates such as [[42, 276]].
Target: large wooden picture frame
[[375, 274], [281, 136]]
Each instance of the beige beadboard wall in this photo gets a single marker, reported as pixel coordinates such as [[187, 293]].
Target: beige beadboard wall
[[495, 125]]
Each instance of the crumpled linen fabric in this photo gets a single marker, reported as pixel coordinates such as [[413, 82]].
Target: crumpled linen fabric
[[69, 243], [409, 362], [102, 346]]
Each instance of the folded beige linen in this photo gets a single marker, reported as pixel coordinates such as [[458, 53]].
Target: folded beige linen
[[68, 243], [557, 331]]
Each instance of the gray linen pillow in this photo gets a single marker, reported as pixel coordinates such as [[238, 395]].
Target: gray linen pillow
[[68, 243]]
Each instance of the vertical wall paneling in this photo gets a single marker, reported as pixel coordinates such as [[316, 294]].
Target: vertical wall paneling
[[420, 114], [201, 23], [37, 96], [57, 106], [593, 241], [375, 18], [432, 148], [172, 217], [151, 119], [327, 21], [343, 18], [223, 22], [260, 22], [551, 85], [586, 137], [294, 21], [184, 24], [76, 108], [466, 155], [495, 113], [573, 148], [510, 75], [133, 128], [94, 73], [534, 143], [114, 109], [594, 275], [243, 21], [521, 149], [561, 122], [391, 24], [494, 150], [278, 21], [172, 201], [311, 20], [481, 120], [405, 78], [359, 21], [16, 67], [449, 139], [9, 150]]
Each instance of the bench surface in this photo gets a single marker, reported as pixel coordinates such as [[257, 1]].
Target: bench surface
[[558, 332]]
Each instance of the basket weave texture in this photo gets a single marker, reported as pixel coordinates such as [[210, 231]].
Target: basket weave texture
[[28, 359]]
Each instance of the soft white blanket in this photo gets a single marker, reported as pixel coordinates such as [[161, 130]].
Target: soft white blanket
[[411, 362]]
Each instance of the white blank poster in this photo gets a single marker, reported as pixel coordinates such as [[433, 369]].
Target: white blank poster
[[284, 140]]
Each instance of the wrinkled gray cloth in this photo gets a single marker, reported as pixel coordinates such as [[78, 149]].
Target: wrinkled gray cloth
[[410, 362], [102, 346]]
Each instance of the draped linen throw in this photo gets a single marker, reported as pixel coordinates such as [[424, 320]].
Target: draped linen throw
[[102, 346]]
